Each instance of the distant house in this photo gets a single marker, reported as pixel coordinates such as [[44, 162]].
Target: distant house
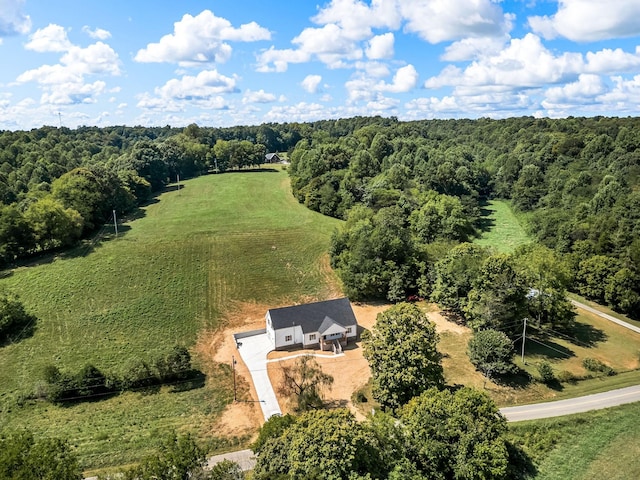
[[272, 158], [327, 325]]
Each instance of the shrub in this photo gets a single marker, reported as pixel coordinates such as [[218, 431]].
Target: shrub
[[545, 370], [566, 376], [596, 366]]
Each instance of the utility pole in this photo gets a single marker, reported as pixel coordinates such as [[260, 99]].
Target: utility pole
[[115, 222], [524, 337], [178, 177], [233, 367]]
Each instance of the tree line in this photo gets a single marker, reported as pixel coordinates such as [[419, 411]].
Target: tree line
[[574, 183]]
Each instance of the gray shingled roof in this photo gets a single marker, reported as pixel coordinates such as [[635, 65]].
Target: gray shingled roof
[[311, 316]]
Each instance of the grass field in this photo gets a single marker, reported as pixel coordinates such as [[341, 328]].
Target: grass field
[[588, 446], [500, 229], [171, 273]]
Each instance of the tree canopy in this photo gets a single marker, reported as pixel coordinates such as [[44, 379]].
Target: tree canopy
[[401, 349]]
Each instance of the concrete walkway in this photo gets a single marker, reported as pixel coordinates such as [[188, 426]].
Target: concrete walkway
[[254, 350], [606, 316]]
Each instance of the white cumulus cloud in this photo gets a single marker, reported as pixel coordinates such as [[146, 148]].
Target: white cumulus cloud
[[405, 79], [381, 46], [98, 33], [524, 62], [204, 90], [52, 38], [259, 96], [311, 83], [12, 19], [200, 39], [443, 20], [65, 83], [590, 20]]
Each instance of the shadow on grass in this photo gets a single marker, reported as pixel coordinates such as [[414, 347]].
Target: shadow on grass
[[587, 334], [454, 317], [520, 379], [26, 332], [484, 222], [545, 346], [195, 380], [249, 170], [555, 385], [521, 466]]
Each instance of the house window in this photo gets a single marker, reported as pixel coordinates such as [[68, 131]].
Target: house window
[[312, 336], [348, 330], [287, 338]]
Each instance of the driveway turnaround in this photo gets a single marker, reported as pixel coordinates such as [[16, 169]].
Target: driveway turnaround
[[245, 458], [573, 405], [254, 350]]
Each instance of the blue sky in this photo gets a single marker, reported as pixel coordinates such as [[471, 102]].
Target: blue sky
[[242, 62]]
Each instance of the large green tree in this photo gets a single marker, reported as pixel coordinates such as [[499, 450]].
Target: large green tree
[[22, 457], [320, 444], [305, 382], [455, 435], [498, 297], [53, 225], [455, 275], [547, 276], [401, 349]]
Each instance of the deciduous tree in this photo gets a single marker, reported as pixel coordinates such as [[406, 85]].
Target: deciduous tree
[[491, 352], [305, 381], [455, 435], [401, 349]]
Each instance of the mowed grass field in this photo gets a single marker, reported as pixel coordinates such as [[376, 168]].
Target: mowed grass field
[[500, 229], [588, 446], [171, 273]]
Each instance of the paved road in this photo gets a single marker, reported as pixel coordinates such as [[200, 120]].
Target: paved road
[[596, 401], [605, 316]]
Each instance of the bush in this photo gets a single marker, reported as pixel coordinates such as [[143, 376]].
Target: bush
[[596, 366], [545, 370], [566, 376]]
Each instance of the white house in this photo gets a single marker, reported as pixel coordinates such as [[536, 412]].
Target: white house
[[324, 325]]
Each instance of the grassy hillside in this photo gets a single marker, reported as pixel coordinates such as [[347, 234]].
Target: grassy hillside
[[170, 274], [589, 446], [501, 229]]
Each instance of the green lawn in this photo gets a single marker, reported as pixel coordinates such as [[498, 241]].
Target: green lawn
[[588, 446], [501, 229], [173, 272]]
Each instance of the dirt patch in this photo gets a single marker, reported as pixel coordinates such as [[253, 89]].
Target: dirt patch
[[444, 325], [350, 371]]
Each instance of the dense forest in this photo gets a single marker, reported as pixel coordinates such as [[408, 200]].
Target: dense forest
[[410, 192]]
